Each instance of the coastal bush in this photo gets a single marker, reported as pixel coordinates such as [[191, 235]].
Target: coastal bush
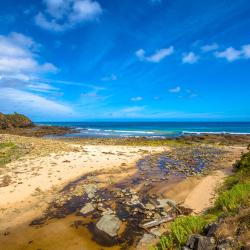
[[14, 121], [180, 229], [167, 242], [236, 197], [243, 165], [233, 196]]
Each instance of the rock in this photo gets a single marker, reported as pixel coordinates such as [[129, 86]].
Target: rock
[[199, 242], [135, 200], [155, 232], [90, 189], [145, 241], [109, 223], [225, 246], [185, 248], [164, 203], [211, 229], [89, 207], [150, 206], [14, 121]]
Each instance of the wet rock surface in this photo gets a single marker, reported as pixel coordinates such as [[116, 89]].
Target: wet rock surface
[[109, 223], [89, 207]]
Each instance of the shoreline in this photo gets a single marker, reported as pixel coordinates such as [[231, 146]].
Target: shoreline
[[55, 169]]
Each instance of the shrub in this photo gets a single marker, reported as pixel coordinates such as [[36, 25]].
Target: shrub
[[180, 229], [243, 164], [231, 200]]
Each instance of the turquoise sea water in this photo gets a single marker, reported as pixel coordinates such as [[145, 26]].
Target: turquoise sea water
[[151, 129]]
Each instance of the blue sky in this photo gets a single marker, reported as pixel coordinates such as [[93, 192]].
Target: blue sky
[[77, 60]]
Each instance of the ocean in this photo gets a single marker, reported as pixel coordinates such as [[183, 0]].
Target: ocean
[[151, 129]]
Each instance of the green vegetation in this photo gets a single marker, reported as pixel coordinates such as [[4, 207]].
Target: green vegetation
[[7, 150], [14, 121], [180, 229], [233, 197]]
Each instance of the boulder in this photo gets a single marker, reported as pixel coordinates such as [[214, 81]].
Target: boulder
[[109, 223], [145, 241], [211, 229], [167, 204], [199, 242], [89, 207], [90, 190]]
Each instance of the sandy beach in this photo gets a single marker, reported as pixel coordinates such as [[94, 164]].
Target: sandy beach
[[57, 171], [34, 176]]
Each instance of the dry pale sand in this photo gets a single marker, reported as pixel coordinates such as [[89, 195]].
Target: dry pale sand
[[36, 178], [202, 196]]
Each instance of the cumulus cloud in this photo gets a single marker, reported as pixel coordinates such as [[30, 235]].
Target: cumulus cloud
[[231, 54], [156, 57], [177, 89], [18, 57], [61, 15], [136, 99], [210, 47], [19, 68], [190, 58], [246, 50]]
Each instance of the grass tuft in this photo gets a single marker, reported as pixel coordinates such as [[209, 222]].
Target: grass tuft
[[229, 201]]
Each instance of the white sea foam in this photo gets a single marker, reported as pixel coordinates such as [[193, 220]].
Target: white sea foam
[[215, 133]]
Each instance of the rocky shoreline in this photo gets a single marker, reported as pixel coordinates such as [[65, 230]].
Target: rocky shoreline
[[107, 194]]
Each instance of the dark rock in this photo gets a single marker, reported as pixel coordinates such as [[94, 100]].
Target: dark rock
[[211, 229], [199, 242], [225, 246]]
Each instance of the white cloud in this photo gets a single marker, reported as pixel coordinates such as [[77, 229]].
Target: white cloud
[[177, 89], [210, 47], [41, 87], [109, 78], [140, 54], [22, 101], [156, 57], [136, 99], [18, 56], [61, 15], [230, 54], [246, 50], [132, 109], [19, 69], [190, 58]]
